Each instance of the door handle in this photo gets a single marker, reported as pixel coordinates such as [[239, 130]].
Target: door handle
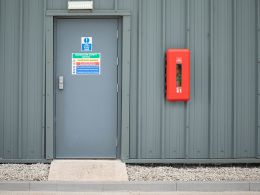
[[61, 82]]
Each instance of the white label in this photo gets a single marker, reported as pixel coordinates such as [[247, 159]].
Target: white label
[[80, 4]]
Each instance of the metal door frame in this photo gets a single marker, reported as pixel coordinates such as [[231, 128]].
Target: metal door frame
[[118, 109], [124, 58]]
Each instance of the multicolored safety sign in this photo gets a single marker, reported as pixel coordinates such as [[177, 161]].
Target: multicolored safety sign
[[86, 63]]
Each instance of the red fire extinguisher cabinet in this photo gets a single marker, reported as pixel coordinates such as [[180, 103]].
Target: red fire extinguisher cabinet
[[178, 75]]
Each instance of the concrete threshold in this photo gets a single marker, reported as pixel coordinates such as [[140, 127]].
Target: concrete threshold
[[88, 170], [130, 186]]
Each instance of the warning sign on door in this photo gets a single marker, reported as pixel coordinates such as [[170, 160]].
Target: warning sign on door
[[86, 43], [86, 63]]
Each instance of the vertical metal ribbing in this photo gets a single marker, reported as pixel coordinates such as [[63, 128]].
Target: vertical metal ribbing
[[1, 139], [116, 5], [257, 152], [234, 76], [43, 84], [3, 60], [163, 80], [187, 105], [139, 77], [20, 81], [49, 89], [211, 62]]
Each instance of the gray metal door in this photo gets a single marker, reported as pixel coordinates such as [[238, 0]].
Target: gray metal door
[[86, 104]]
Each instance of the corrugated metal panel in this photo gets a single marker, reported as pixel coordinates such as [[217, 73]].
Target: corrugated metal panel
[[32, 79], [9, 75], [134, 9], [221, 80], [104, 4], [245, 78], [21, 79], [198, 132], [150, 79], [63, 4], [57, 4], [174, 119]]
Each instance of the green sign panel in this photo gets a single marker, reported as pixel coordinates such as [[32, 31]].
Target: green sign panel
[[86, 55]]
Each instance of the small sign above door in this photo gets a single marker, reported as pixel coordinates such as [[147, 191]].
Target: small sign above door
[[86, 44], [86, 63]]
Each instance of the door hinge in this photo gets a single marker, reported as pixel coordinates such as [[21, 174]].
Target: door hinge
[[117, 34], [117, 61], [117, 88], [116, 142]]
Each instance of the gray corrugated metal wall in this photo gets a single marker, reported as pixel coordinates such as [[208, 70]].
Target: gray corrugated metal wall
[[21, 79], [220, 120]]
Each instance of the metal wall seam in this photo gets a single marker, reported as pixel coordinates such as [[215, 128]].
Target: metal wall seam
[[234, 78], [257, 15], [163, 81], [1, 118], [20, 81], [211, 63], [2, 78], [187, 107], [43, 83], [139, 77]]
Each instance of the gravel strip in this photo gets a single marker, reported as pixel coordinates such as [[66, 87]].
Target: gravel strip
[[192, 173], [24, 172]]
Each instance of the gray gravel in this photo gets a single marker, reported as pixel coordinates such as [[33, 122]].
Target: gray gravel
[[23, 172], [175, 173]]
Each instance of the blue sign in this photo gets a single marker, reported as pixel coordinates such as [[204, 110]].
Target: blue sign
[[86, 44], [87, 69]]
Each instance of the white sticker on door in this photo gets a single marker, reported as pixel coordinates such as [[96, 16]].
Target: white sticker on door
[[86, 63], [86, 44]]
